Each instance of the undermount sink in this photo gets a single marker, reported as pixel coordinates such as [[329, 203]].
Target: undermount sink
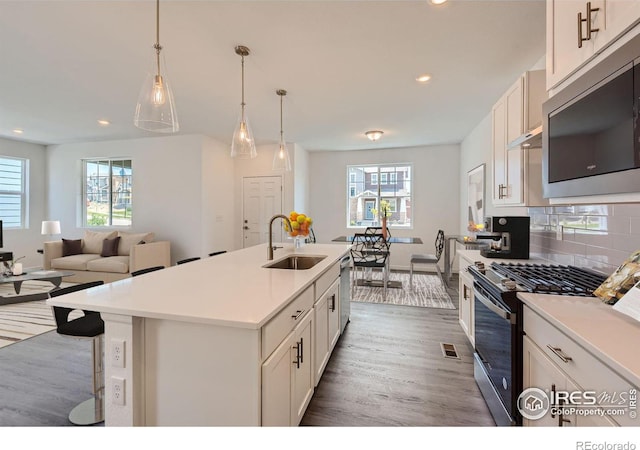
[[296, 262]]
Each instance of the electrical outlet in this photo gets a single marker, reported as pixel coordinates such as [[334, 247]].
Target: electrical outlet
[[117, 391], [117, 353]]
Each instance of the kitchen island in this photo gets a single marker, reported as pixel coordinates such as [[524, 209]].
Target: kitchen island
[[201, 339]]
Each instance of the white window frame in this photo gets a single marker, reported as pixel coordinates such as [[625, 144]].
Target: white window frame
[[356, 218], [85, 193], [384, 177], [22, 194]]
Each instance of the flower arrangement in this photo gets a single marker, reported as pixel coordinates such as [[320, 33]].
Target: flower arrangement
[[300, 224], [385, 209]]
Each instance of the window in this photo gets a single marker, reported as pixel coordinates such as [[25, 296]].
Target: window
[[365, 194], [13, 192], [107, 192]]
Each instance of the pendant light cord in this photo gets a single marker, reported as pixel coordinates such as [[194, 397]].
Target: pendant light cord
[[281, 133], [157, 46]]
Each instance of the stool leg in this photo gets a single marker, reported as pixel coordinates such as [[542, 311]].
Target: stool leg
[[91, 411]]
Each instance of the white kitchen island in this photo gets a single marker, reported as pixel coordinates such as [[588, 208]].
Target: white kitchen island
[[211, 342]]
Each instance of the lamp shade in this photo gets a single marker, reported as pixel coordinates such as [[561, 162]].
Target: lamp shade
[[50, 227]]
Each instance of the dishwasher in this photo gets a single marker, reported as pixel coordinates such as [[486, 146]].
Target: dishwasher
[[345, 292]]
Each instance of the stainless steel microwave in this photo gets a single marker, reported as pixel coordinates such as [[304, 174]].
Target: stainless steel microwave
[[591, 130]]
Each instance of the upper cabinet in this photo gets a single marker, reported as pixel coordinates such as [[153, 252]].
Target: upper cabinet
[[517, 112], [578, 30]]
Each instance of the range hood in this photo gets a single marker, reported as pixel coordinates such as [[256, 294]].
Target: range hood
[[532, 138]]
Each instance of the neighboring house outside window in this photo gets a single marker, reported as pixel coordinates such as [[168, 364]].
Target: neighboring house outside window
[[13, 192], [368, 185], [107, 192]]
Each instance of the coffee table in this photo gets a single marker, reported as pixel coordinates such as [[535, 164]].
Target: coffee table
[[53, 276]]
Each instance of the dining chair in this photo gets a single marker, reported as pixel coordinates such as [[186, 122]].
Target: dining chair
[[370, 251], [427, 258]]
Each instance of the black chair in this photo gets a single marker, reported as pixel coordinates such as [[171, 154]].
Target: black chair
[[217, 253], [88, 326], [370, 251], [376, 230], [135, 273], [183, 261], [426, 258]]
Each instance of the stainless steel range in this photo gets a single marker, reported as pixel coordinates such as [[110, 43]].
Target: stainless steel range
[[498, 324]]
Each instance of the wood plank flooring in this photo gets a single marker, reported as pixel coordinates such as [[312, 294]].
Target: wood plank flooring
[[388, 370]]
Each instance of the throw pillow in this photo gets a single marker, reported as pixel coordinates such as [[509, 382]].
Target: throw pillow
[[110, 247], [93, 240], [128, 240], [71, 247]]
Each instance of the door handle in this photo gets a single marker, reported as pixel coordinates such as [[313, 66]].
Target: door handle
[[333, 302]]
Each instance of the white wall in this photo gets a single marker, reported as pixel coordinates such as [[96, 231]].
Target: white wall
[[25, 242], [301, 179], [168, 188], [435, 203]]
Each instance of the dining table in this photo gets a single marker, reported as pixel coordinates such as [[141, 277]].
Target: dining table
[[391, 240]]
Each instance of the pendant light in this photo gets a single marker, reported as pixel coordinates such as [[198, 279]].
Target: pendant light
[[243, 146], [281, 159], [156, 110]]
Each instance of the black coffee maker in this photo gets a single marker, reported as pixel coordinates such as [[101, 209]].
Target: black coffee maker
[[508, 237]]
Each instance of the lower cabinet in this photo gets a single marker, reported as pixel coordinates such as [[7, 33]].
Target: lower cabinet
[[465, 300], [571, 377], [327, 327], [287, 377]]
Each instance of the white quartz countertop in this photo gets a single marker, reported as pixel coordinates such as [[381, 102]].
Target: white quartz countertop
[[231, 289], [608, 334]]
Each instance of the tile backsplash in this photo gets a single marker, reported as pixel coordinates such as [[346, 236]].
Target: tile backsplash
[[596, 236]]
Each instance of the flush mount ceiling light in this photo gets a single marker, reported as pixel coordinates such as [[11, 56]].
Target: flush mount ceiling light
[[374, 135], [103, 122], [423, 78], [281, 159], [243, 146], [437, 2], [156, 110]]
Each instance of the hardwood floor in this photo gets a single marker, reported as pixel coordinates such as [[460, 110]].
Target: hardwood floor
[[388, 370]]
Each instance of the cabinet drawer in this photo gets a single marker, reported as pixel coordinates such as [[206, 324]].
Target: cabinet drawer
[[589, 373], [281, 325], [326, 279]]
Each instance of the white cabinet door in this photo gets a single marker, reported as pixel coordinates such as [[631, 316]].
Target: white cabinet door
[[564, 56], [276, 385], [321, 341], [619, 16], [499, 141], [302, 370], [465, 304], [333, 309], [540, 372]]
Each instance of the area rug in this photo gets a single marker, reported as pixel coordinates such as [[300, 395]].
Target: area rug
[[20, 321], [428, 292]]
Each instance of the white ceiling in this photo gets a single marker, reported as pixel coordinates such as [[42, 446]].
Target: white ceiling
[[348, 67]]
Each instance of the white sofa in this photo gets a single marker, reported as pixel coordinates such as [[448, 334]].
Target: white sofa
[[135, 251]]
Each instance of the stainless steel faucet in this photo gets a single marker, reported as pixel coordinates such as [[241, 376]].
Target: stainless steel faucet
[[271, 248]]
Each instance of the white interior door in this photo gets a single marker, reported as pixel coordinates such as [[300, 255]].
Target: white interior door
[[262, 199]]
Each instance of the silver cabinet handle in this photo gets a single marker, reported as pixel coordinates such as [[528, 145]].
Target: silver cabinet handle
[[559, 353]]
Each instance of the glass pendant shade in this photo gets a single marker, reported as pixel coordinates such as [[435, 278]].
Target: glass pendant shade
[[281, 160], [156, 109], [243, 145]]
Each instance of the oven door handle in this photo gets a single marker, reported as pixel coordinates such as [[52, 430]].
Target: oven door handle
[[506, 315]]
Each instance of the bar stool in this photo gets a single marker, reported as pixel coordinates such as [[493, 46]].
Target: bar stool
[[89, 326]]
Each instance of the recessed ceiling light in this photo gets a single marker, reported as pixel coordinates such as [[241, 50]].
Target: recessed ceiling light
[[18, 131], [103, 122], [423, 78]]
